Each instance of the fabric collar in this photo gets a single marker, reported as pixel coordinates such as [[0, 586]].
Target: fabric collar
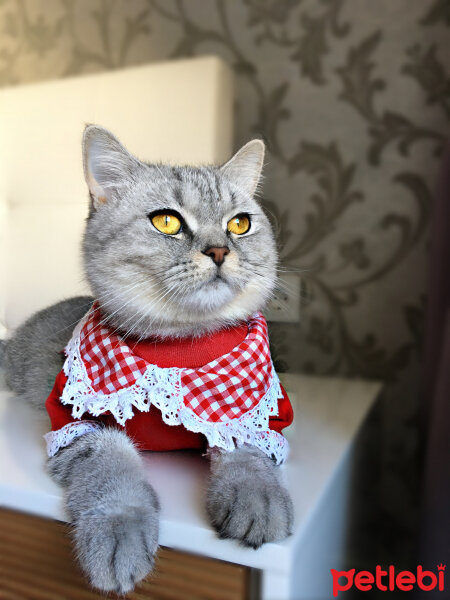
[[229, 399]]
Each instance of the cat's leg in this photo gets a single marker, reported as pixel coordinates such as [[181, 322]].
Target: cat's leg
[[246, 500], [33, 356], [114, 510]]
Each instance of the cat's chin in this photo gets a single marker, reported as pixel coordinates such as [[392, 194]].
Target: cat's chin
[[210, 297], [208, 307]]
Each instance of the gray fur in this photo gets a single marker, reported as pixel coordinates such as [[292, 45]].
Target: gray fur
[[149, 283], [245, 500], [33, 357], [114, 510]]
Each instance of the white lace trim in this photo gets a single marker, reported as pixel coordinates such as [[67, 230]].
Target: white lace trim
[[161, 387], [65, 436]]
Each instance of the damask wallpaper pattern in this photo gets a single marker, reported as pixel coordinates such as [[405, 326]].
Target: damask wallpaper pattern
[[353, 99]]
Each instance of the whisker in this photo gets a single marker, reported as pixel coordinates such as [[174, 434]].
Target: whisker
[[74, 323]]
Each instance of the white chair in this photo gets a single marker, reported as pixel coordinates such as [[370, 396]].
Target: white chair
[[179, 112]]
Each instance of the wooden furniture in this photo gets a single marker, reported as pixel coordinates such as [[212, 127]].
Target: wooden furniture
[[329, 413], [37, 563]]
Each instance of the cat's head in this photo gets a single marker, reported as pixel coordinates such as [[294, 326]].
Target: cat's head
[[175, 250]]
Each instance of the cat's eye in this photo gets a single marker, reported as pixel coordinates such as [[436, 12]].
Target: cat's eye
[[166, 222], [239, 224]]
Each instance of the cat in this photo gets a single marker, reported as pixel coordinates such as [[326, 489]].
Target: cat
[[151, 282]]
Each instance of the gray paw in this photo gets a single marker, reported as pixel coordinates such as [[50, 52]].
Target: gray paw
[[114, 510], [246, 501], [117, 550]]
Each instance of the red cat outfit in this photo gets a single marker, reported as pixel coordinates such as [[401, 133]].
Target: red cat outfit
[[220, 389]]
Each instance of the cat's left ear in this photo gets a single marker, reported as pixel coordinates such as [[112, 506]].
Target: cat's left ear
[[107, 164], [245, 167]]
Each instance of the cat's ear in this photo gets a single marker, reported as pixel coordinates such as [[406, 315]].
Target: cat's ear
[[107, 164], [244, 168]]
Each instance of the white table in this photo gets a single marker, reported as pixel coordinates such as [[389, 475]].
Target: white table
[[329, 412]]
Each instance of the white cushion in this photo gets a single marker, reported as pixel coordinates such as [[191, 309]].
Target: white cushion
[[179, 112], [44, 257]]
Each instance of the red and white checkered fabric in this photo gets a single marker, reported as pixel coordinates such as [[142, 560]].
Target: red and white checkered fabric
[[222, 390]]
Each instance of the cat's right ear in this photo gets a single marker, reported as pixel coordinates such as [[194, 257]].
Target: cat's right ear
[[107, 164]]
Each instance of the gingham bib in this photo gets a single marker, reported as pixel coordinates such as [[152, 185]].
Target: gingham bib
[[229, 400]]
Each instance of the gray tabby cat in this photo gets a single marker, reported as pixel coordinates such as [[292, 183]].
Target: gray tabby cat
[[191, 283]]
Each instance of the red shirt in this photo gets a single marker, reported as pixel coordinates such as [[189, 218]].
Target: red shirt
[[147, 429]]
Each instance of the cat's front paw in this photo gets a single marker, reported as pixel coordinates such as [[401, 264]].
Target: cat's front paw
[[116, 551], [246, 502]]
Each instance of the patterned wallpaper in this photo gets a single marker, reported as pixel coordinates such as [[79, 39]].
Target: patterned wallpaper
[[353, 99]]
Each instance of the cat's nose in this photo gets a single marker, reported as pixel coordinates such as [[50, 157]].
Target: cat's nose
[[217, 254]]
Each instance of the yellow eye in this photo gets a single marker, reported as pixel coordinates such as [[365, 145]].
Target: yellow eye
[[239, 224], [166, 223]]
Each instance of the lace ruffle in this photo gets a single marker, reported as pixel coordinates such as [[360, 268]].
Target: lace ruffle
[[162, 388], [65, 436]]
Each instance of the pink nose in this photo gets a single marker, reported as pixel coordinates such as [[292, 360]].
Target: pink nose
[[217, 254]]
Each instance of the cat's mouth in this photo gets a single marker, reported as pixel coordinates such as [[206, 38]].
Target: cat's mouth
[[215, 280], [219, 279], [218, 287]]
